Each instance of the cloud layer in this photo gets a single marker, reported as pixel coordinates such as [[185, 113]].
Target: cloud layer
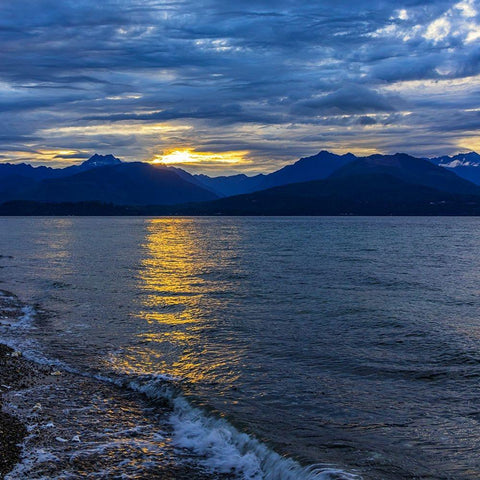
[[273, 80]]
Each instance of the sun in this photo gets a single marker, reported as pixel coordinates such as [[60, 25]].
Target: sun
[[188, 156], [175, 156]]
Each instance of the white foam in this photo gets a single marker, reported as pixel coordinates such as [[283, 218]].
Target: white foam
[[14, 332], [24, 321], [226, 450], [27, 318], [35, 457], [221, 448], [31, 351]]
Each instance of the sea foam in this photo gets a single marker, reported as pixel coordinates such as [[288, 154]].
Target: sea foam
[[222, 448]]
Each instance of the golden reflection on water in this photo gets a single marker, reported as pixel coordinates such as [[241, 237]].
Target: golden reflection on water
[[172, 258], [176, 276]]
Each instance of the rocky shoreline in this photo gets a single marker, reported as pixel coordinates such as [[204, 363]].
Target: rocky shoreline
[[16, 373]]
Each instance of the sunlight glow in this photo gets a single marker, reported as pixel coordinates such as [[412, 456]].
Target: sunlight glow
[[115, 129], [188, 156], [469, 143]]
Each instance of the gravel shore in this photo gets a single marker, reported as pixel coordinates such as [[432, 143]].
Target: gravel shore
[[16, 373]]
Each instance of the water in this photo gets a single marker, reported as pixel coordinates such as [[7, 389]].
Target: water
[[342, 344]]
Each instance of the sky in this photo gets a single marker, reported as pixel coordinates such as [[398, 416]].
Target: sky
[[236, 86]]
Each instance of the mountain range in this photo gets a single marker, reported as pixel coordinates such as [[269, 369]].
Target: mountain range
[[323, 184], [465, 165], [101, 179]]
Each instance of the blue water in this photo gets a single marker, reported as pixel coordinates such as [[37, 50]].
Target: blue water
[[352, 342]]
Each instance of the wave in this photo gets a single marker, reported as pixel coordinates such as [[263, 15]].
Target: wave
[[224, 449]]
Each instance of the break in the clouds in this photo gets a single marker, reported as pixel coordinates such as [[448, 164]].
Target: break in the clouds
[[256, 83]]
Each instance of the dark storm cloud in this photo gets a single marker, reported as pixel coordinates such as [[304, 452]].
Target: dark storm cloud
[[351, 99], [367, 121], [217, 114], [76, 156], [250, 75]]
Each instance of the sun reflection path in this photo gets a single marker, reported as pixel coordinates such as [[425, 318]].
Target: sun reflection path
[[182, 285]]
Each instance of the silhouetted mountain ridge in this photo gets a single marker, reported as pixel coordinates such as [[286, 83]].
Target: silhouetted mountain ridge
[[315, 167], [123, 184], [42, 172], [101, 161], [409, 169], [326, 180]]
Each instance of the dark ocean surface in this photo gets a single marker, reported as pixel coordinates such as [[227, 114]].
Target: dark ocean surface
[[349, 346]]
